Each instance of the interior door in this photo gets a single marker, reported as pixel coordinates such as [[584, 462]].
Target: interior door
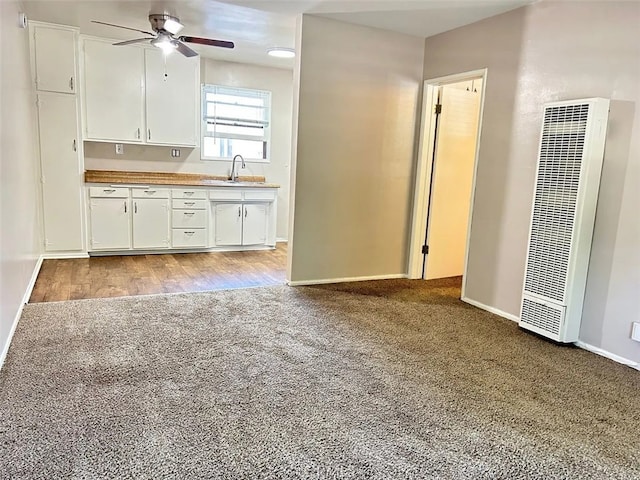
[[452, 179]]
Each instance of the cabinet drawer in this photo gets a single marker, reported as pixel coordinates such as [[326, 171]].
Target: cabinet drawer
[[116, 192], [150, 193], [260, 194], [189, 218], [187, 204], [188, 193], [185, 237], [224, 194]]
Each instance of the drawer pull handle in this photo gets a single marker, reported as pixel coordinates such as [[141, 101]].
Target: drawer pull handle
[[239, 211], [151, 192], [190, 213], [125, 206], [188, 193], [245, 212], [189, 203], [189, 233], [109, 190], [71, 84]]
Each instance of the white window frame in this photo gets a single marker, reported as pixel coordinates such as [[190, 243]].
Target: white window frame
[[211, 88]]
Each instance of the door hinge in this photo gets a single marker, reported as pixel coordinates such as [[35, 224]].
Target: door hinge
[[438, 109], [425, 249]]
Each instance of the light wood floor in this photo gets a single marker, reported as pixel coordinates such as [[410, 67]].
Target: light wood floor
[[117, 276]]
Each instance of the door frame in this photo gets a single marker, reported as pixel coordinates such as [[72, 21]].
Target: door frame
[[424, 165]]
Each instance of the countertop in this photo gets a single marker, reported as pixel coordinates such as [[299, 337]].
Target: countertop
[[167, 178]]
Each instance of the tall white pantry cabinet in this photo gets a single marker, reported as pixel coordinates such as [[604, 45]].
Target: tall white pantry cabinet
[[55, 76]]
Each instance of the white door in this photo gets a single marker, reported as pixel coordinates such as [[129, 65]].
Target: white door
[[61, 174], [254, 229], [55, 59], [171, 98], [114, 102], [452, 179], [150, 223], [110, 223], [228, 223]]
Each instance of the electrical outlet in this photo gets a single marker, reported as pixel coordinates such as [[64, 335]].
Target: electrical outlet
[[175, 152], [635, 332], [119, 149]]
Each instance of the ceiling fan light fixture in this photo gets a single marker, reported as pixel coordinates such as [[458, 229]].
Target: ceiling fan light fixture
[[166, 44], [172, 26], [281, 52]]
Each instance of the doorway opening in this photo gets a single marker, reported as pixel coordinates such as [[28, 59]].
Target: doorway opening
[[451, 125]]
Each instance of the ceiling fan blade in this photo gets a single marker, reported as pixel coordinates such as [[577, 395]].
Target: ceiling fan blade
[[184, 50], [135, 40], [126, 28], [207, 41]]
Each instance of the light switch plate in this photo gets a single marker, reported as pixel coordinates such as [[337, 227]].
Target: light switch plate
[[175, 152], [635, 332], [119, 149]]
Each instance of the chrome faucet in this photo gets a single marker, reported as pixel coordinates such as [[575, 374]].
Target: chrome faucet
[[234, 174]]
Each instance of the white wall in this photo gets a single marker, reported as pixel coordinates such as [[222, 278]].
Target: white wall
[[20, 239], [357, 109], [101, 156], [546, 52]]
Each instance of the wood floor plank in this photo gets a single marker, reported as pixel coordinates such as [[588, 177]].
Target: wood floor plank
[[125, 275]]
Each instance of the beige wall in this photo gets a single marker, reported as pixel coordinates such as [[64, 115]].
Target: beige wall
[[20, 241], [101, 156], [545, 52], [358, 99]]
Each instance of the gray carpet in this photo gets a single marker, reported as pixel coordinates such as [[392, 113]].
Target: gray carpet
[[278, 382]]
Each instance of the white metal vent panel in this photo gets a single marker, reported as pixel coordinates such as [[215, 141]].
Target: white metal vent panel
[[556, 191], [541, 317]]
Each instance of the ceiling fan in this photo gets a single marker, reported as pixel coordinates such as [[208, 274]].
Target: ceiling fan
[[164, 36]]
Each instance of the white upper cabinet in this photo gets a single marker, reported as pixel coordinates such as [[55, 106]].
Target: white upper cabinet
[[54, 59], [113, 92], [134, 94], [171, 98]]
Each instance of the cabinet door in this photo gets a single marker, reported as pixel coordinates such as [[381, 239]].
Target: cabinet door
[[150, 223], [171, 98], [110, 223], [254, 229], [228, 223], [113, 83], [55, 59], [61, 173]]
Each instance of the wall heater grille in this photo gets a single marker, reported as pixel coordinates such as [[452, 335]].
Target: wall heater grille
[[566, 189]]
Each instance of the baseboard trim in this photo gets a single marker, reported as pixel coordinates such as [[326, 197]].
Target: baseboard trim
[[496, 311], [301, 283], [56, 256], [281, 240], [25, 300], [607, 354]]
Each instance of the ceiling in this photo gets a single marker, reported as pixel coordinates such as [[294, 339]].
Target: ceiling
[[255, 25]]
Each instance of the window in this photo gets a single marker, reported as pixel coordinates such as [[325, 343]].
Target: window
[[235, 121]]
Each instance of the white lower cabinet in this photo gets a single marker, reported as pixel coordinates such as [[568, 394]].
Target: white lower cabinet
[[228, 223], [110, 221], [189, 218], [150, 223], [148, 218], [240, 224]]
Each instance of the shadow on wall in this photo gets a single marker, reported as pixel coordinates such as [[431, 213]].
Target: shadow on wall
[[614, 169]]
